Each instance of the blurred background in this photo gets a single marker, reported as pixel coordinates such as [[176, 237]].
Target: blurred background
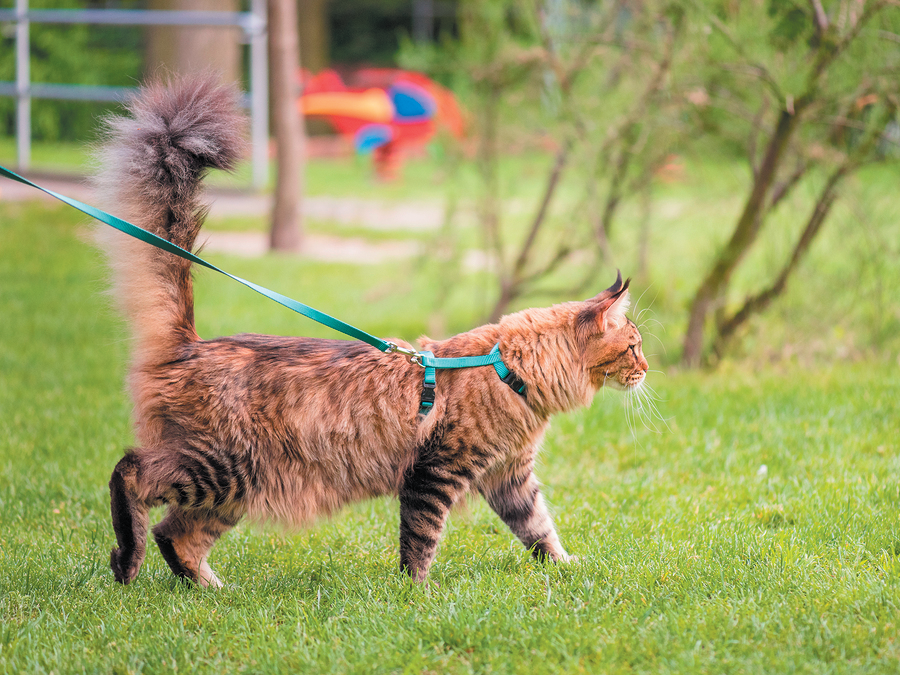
[[425, 166], [738, 160]]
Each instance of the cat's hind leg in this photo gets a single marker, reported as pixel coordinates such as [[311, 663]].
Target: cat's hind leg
[[185, 537], [204, 493], [129, 518]]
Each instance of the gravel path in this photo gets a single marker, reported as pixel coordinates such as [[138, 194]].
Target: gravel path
[[373, 214]]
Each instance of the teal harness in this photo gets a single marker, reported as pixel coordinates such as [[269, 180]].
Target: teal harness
[[431, 363], [426, 359]]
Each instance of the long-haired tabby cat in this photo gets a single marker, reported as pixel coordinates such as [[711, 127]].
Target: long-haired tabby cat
[[285, 429]]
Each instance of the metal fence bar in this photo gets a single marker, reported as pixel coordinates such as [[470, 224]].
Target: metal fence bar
[[133, 17], [253, 23], [77, 92], [259, 94], [87, 92], [23, 78]]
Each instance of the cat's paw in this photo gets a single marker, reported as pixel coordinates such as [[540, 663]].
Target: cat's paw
[[124, 567], [207, 578]]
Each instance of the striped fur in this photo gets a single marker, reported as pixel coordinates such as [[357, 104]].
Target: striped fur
[[287, 429]]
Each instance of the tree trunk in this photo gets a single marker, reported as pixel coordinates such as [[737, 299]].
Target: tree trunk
[[761, 301], [314, 34], [287, 123], [828, 195], [187, 49], [742, 239]]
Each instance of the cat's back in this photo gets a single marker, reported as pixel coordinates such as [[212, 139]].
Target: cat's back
[[297, 388]]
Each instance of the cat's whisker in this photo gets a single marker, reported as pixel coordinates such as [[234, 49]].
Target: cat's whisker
[[629, 416], [643, 403], [651, 398], [647, 308], [655, 337], [646, 331], [642, 297], [652, 392], [647, 420], [649, 319], [642, 410]]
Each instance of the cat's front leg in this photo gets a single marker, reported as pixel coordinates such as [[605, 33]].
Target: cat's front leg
[[427, 494], [517, 499]]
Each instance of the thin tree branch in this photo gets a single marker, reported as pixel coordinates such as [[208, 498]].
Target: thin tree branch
[[827, 197], [632, 141], [783, 189], [561, 254], [821, 17], [762, 72], [552, 182]]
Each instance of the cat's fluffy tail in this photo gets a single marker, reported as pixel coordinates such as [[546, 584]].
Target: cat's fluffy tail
[[151, 166]]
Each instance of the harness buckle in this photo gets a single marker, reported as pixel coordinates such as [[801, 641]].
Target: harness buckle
[[514, 382], [428, 394]]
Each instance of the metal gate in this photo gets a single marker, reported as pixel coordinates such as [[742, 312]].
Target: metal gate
[[253, 23]]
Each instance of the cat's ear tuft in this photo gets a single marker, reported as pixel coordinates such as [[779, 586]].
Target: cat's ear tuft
[[615, 290], [616, 287], [606, 310]]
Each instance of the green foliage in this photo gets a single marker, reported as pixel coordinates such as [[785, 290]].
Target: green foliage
[[693, 558], [753, 57], [588, 82], [793, 22], [70, 54], [803, 90]]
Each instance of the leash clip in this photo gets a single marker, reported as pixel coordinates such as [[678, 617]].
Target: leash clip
[[414, 356]]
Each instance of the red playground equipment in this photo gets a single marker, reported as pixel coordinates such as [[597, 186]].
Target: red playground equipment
[[383, 110]]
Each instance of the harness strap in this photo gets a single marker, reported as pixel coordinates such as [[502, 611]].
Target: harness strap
[[506, 375], [429, 384]]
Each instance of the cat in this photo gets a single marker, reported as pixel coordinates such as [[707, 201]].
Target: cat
[[285, 429]]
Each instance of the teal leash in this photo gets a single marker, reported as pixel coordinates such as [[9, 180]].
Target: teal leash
[[426, 359], [165, 245]]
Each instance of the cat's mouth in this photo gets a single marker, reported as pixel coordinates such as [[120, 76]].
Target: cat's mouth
[[624, 382]]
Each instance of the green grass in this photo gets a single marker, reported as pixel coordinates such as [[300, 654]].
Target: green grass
[[690, 561]]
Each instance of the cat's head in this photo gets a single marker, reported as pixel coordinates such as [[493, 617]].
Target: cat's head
[[611, 343], [566, 352]]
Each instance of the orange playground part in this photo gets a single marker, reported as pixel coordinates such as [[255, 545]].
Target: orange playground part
[[383, 110]]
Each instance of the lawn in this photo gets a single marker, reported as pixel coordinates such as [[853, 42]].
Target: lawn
[[757, 529]]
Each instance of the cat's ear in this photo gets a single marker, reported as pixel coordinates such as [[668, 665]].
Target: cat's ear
[[604, 310]]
